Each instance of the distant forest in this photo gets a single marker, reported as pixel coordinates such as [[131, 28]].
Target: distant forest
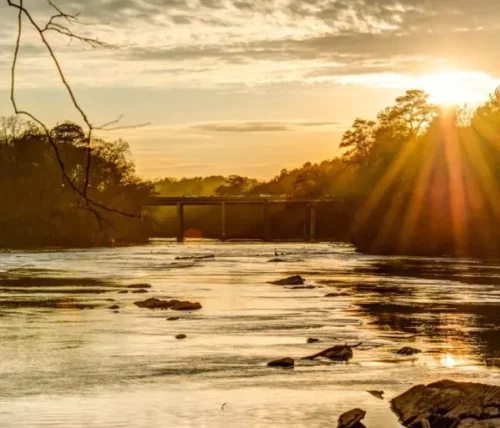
[[417, 180]]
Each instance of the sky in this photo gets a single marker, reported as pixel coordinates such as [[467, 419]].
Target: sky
[[249, 86]]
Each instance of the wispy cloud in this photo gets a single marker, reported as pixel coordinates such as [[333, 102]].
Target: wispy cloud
[[263, 126]]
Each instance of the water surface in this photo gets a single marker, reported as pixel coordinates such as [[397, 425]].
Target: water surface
[[67, 359]]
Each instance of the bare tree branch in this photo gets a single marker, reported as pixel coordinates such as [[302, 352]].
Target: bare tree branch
[[53, 25]]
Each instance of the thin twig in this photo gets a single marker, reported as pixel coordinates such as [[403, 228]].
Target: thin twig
[[53, 26]]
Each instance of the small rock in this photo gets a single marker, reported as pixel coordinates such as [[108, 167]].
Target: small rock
[[141, 290], [186, 306], [174, 304], [110, 300], [123, 292], [335, 353], [337, 295], [210, 256], [291, 280], [277, 260], [139, 286], [377, 394], [302, 287], [116, 312], [312, 340], [180, 336], [173, 318], [114, 307], [408, 350], [154, 303], [286, 363], [351, 419]]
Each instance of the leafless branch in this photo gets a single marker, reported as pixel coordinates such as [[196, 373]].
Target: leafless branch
[[108, 126], [55, 26]]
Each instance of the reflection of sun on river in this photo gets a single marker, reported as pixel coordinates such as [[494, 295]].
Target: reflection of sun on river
[[448, 360]]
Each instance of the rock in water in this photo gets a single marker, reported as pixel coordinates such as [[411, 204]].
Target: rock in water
[[209, 256], [377, 394], [449, 404], [173, 318], [139, 286], [180, 336], [176, 305], [287, 363], [186, 306], [337, 295], [154, 303], [312, 340], [335, 353], [408, 350], [351, 419], [291, 280]]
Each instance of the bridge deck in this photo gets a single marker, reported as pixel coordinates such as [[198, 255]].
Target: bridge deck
[[215, 200]]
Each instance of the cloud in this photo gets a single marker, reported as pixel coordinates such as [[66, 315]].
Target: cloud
[[263, 126], [207, 43]]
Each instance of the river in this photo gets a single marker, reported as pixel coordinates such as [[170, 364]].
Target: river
[[65, 366]]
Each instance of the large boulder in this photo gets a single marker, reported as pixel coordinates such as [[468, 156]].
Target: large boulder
[[449, 404]]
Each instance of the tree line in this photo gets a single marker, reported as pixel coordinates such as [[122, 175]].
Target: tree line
[[418, 179], [39, 208]]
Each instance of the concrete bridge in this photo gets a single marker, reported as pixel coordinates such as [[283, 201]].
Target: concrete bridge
[[309, 207]]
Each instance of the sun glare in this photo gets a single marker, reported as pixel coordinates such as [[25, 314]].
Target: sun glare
[[448, 361], [448, 88]]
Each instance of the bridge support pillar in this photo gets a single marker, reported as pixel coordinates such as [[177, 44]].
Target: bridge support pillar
[[180, 222], [223, 221], [267, 223], [312, 222]]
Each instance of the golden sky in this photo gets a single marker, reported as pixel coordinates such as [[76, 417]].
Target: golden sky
[[250, 87]]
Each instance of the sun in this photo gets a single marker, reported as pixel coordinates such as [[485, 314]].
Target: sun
[[453, 87]]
